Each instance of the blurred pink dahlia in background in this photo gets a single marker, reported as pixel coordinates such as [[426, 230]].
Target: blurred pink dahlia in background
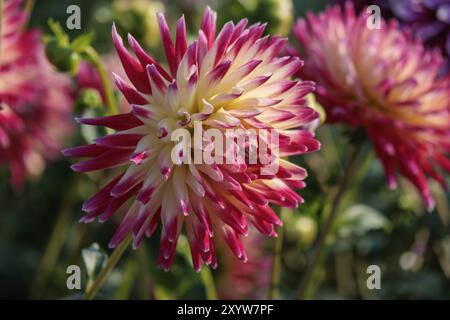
[[384, 81], [233, 80], [35, 101], [429, 20], [250, 280]]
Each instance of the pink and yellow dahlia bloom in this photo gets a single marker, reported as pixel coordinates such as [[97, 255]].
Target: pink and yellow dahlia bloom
[[232, 80], [35, 101], [384, 81]]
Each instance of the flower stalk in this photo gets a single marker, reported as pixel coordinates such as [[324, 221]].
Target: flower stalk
[[208, 283], [29, 6], [274, 291], [95, 60], [93, 289], [55, 243], [328, 224]]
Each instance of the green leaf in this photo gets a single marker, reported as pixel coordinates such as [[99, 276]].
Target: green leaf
[[81, 43], [58, 31], [359, 219]]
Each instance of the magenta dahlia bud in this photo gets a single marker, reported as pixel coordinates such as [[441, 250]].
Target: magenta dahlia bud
[[213, 87], [35, 101], [382, 80]]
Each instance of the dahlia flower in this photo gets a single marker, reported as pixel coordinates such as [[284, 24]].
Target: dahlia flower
[[382, 80], [35, 101], [234, 80]]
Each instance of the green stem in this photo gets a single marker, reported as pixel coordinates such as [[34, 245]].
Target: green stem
[[54, 246], [28, 9], [95, 60], [208, 283], [125, 288], [92, 290], [145, 283], [274, 292], [327, 227]]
